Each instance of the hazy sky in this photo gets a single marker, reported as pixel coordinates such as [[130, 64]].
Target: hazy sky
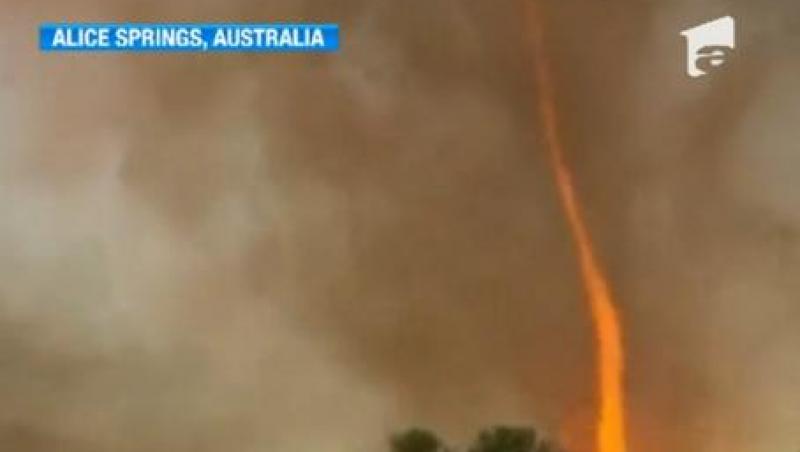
[[298, 253]]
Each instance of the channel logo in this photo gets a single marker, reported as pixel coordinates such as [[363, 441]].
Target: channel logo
[[709, 45]]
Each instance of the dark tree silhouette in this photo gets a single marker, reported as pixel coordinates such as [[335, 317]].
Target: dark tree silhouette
[[416, 440], [509, 439]]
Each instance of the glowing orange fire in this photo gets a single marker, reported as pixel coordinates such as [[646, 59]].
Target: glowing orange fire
[[611, 416]]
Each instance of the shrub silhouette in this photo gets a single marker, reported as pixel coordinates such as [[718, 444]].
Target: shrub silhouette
[[509, 439], [416, 440], [496, 439]]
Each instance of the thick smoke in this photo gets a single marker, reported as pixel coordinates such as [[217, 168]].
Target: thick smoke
[[296, 253]]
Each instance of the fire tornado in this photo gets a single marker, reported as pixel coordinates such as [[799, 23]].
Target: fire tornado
[[611, 416]]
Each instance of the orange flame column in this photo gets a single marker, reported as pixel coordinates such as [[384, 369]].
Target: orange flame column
[[609, 354]]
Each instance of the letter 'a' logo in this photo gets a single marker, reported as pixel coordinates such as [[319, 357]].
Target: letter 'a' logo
[[708, 45]]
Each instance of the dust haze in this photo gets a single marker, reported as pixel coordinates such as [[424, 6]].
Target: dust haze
[[296, 253]]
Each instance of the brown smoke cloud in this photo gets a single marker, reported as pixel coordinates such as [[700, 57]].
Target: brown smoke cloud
[[295, 253]]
